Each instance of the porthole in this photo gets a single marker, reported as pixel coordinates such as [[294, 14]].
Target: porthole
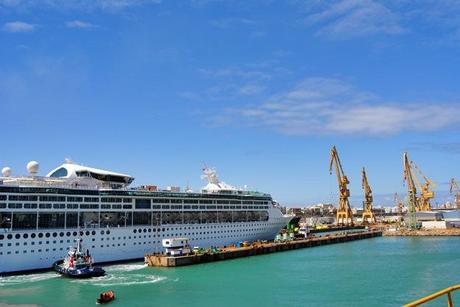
[[108, 232], [54, 234], [102, 232], [68, 233], [32, 236], [81, 233], [140, 230], [40, 235], [2, 237], [17, 236], [145, 230], [47, 235], [25, 236], [149, 230], [61, 234], [74, 233], [93, 232], [87, 233]]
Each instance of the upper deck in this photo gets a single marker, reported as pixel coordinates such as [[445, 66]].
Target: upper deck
[[74, 179], [240, 195]]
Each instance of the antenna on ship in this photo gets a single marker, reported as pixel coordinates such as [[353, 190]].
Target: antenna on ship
[[188, 189]]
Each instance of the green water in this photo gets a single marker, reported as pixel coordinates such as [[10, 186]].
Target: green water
[[374, 272]]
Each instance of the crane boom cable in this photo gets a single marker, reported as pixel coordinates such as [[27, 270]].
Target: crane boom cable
[[411, 191], [426, 189]]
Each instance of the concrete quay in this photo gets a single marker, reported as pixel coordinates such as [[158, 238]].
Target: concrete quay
[[257, 248]]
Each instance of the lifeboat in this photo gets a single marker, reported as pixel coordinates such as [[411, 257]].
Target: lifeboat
[[105, 297]]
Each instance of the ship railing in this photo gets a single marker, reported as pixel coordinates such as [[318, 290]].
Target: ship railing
[[45, 182], [447, 291]]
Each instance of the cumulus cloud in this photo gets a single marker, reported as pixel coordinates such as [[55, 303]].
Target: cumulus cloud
[[79, 24], [18, 26], [349, 18], [318, 106]]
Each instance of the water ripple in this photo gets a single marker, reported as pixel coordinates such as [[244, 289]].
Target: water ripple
[[123, 280], [20, 279]]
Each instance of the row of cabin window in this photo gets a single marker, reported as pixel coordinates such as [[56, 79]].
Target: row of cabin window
[[44, 220], [63, 198], [107, 232], [119, 206], [139, 201]]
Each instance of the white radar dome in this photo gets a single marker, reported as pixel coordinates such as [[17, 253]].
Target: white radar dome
[[6, 172], [32, 167]]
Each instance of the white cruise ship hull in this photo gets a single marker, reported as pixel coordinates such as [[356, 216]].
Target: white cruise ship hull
[[126, 243]]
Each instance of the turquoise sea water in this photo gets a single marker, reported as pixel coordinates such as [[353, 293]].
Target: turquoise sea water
[[375, 272]]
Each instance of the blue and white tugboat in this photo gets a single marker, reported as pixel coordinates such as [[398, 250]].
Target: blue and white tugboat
[[78, 264]]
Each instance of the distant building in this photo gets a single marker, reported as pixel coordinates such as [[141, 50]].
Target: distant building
[[296, 211]]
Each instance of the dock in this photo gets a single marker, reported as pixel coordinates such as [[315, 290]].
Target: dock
[[257, 248]]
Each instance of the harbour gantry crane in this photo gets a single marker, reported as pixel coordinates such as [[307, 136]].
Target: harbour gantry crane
[[344, 215], [411, 191], [368, 215], [454, 188], [426, 189], [398, 203]]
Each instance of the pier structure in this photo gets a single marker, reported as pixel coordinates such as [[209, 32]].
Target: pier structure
[[257, 248]]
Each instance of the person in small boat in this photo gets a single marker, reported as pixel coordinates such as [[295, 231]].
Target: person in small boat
[[87, 257], [103, 297]]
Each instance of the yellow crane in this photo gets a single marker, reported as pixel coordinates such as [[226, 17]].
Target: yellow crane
[[411, 191], [368, 215], [398, 203], [454, 188], [344, 214], [426, 189]]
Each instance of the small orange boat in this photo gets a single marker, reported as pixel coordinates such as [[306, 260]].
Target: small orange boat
[[106, 297]]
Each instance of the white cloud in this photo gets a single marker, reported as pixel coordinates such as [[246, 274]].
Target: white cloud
[[237, 73], [226, 23], [107, 5], [350, 18], [251, 89], [119, 4], [18, 26], [79, 24], [318, 106]]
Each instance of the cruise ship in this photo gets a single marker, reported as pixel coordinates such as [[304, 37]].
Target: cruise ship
[[41, 216]]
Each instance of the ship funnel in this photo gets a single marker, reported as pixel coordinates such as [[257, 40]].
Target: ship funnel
[[32, 168]]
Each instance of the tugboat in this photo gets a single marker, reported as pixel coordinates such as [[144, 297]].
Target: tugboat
[[77, 264]]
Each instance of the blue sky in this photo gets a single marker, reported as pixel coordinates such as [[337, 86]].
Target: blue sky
[[258, 89]]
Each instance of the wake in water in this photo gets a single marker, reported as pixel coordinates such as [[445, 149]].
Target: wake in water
[[28, 278], [121, 280], [125, 267]]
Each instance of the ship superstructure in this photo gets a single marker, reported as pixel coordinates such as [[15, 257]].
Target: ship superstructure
[[41, 216]]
